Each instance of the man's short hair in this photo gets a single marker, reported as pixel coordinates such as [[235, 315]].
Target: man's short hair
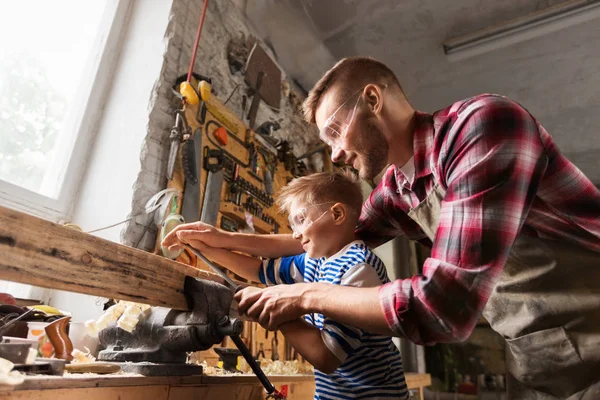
[[347, 76], [323, 187]]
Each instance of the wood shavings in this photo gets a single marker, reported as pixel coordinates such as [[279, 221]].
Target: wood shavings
[[127, 314], [79, 357], [269, 367], [7, 375]]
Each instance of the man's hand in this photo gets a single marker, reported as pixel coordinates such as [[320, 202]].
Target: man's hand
[[197, 235], [274, 305]]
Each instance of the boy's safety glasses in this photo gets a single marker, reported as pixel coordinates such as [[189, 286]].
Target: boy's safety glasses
[[300, 221]]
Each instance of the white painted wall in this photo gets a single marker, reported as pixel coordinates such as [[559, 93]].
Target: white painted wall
[[106, 192]]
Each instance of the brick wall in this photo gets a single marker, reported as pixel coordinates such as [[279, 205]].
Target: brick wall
[[223, 22]]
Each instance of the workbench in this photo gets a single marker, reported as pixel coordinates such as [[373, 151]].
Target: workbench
[[79, 262], [137, 387]]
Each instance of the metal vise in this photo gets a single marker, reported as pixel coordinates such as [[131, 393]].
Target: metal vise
[[160, 341]]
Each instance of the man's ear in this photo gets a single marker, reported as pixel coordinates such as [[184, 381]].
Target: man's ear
[[374, 98], [339, 213]]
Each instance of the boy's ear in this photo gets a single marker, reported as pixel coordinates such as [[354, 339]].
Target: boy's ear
[[339, 213]]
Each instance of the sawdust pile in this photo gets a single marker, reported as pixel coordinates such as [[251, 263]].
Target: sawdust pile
[[268, 366]]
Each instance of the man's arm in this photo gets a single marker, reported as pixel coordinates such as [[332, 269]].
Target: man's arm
[[198, 233], [376, 226], [276, 305], [492, 166], [307, 340]]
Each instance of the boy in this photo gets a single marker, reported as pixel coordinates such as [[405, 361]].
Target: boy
[[350, 363]]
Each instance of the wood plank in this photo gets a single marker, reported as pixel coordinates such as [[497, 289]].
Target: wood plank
[[201, 387], [301, 390], [46, 382], [107, 393], [414, 381], [42, 253], [250, 379], [246, 392]]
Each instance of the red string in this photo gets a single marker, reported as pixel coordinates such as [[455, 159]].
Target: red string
[[189, 77]]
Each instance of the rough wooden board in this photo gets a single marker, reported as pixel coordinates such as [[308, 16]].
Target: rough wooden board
[[414, 381], [245, 392], [250, 379], [43, 382], [42, 253], [301, 390]]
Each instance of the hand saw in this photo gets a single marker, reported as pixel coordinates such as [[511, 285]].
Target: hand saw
[[213, 163], [191, 157]]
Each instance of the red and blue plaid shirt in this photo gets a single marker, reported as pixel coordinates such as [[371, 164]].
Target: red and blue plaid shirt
[[503, 176]]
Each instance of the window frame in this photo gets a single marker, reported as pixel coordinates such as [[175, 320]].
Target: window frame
[[85, 118], [83, 122]]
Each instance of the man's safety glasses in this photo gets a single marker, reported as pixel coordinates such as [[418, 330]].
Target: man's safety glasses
[[334, 128]]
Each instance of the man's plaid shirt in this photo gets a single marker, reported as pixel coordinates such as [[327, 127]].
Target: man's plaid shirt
[[503, 177]]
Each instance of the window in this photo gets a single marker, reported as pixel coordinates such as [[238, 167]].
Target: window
[[56, 59], [55, 64]]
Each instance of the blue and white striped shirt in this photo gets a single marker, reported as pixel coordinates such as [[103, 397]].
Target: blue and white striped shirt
[[371, 365]]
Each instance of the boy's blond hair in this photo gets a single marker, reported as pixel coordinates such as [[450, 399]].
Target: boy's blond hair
[[339, 187]]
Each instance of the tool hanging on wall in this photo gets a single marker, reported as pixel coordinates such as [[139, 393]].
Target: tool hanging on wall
[[274, 347], [212, 127], [255, 100], [179, 130], [213, 163], [192, 168]]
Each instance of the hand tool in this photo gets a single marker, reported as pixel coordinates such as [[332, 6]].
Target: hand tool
[[215, 126], [244, 100], [274, 393], [216, 269], [261, 351], [274, 345], [229, 225], [255, 100], [192, 166], [179, 130], [7, 325], [213, 163], [229, 358]]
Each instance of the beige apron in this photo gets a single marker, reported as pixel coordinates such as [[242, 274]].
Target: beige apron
[[546, 304]]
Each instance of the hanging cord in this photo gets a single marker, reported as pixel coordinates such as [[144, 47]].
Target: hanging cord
[[193, 61], [153, 204]]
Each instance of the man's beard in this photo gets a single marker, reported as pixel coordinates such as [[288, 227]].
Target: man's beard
[[374, 153]]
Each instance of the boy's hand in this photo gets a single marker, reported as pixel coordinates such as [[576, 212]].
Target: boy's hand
[[196, 234], [272, 306]]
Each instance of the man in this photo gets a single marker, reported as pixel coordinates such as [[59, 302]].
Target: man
[[514, 228]]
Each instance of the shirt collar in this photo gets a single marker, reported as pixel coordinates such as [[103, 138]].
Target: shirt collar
[[342, 250], [422, 147]]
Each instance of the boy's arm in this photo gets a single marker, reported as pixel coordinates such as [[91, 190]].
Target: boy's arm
[[308, 341], [245, 266], [197, 234]]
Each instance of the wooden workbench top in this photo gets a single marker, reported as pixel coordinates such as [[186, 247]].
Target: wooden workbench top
[[41, 382]]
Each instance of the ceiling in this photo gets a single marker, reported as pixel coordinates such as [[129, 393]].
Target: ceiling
[[556, 77]]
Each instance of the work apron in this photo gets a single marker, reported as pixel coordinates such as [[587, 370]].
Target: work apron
[[546, 304]]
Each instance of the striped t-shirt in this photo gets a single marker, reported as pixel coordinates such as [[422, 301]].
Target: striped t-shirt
[[371, 367]]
